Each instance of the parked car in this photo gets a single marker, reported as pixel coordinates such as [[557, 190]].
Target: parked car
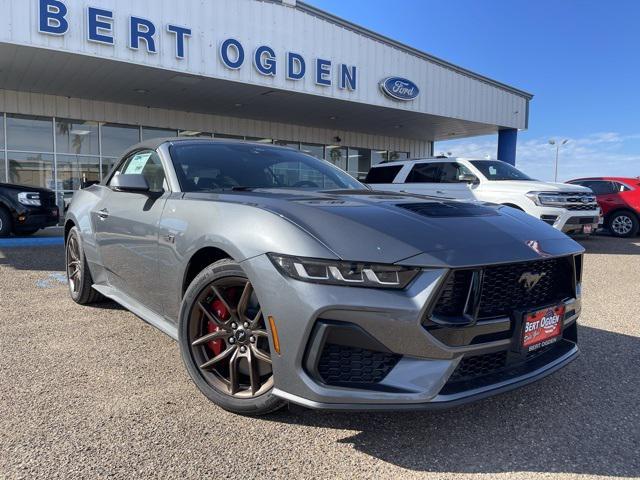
[[619, 198], [25, 210], [286, 280], [570, 209]]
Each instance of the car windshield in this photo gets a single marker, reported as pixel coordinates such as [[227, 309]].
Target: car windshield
[[210, 166], [497, 170]]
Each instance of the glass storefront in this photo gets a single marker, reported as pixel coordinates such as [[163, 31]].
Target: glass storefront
[[65, 154]]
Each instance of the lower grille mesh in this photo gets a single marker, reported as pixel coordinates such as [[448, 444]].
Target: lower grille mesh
[[340, 365]]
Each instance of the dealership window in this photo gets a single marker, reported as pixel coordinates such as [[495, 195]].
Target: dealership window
[[148, 133], [395, 156], [288, 143], [77, 137], [379, 156], [313, 149], [116, 139], [194, 134], [336, 155], [231, 137], [32, 169], [258, 139], [30, 134], [76, 170], [359, 162]]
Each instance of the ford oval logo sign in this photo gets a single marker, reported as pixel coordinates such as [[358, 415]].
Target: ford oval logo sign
[[399, 88]]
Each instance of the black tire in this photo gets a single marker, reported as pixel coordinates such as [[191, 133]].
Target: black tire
[[78, 275], [262, 402], [623, 224], [6, 224]]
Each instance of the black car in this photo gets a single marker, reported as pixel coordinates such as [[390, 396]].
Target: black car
[[25, 210]]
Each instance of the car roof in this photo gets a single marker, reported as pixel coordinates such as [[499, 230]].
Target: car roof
[[154, 143], [606, 179], [434, 160]]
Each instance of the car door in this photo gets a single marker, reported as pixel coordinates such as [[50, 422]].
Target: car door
[[606, 193], [450, 185], [424, 179], [126, 226]]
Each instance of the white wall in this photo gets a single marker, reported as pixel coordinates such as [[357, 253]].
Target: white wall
[[444, 91]]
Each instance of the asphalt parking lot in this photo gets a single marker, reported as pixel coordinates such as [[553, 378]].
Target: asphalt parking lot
[[96, 392]]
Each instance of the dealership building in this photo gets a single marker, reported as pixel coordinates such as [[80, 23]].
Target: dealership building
[[82, 80]]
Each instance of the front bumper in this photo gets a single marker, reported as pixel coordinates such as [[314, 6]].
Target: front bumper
[[393, 321], [568, 221], [36, 218]]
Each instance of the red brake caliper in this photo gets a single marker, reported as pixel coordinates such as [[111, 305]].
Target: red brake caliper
[[222, 313]]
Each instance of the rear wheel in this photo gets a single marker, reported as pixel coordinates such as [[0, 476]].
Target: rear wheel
[[5, 223], [623, 224], [78, 274], [225, 343]]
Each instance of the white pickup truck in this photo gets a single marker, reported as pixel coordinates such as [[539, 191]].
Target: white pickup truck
[[569, 208]]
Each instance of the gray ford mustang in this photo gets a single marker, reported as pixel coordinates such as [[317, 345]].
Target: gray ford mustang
[[285, 280]]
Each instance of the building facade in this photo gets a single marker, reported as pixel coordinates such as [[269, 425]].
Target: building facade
[[82, 80]]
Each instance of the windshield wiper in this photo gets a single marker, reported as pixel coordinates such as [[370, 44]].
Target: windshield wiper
[[243, 188]]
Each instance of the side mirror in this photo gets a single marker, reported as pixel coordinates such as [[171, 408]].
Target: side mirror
[[130, 182], [88, 184], [467, 178]]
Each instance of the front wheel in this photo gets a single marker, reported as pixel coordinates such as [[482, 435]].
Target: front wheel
[[224, 341], [78, 274], [623, 224], [5, 223]]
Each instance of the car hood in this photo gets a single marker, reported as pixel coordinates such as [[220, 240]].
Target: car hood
[[534, 186], [23, 188], [412, 229]]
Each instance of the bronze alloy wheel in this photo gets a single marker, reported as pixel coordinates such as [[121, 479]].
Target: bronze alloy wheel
[[74, 264], [228, 339]]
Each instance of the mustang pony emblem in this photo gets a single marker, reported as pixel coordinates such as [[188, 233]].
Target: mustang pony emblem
[[530, 280]]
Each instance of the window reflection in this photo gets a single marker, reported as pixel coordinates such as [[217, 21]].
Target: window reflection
[[287, 143], [32, 169], [31, 134], [107, 165], [74, 171], [313, 149], [194, 134], [337, 156], [379, 156], [232, 137], [359, 162], [76, 136], [148, 133], [116, 139], [398, 156]]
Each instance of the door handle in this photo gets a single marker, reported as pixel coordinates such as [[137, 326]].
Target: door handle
[[103, 214]]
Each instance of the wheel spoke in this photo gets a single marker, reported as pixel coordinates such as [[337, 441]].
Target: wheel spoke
[[210, 337], [213, 318], [260, 333], [234, 382], [218, 293], [256, 319], [218, 358], [263, 357], [243, 303], [254, 373], [75, 273]]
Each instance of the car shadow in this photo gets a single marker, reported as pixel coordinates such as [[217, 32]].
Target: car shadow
[[582, 420]]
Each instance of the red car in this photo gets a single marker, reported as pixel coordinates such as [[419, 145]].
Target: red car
[[619, 198]]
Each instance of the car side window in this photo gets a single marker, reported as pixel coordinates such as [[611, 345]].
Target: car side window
[[425, 173], [619, 187], [600, 187], [452, 171], [148, 164], [385, 174]]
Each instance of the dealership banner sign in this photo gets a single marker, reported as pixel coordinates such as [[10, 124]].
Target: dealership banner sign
[[143, 33]]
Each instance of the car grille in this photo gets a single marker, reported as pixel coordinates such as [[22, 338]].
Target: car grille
[[503, 291], [48, 199], [345, 365], [582, 207]]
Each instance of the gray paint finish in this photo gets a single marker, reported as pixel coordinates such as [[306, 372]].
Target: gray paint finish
[[136, 264]]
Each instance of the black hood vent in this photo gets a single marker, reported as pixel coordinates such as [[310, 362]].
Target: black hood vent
[[448, 209]]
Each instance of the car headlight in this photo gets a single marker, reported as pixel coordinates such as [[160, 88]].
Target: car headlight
[[548, 199], [29, 198], [350, 274]]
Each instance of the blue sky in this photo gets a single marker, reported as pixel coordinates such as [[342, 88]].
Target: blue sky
[[580, 58]]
